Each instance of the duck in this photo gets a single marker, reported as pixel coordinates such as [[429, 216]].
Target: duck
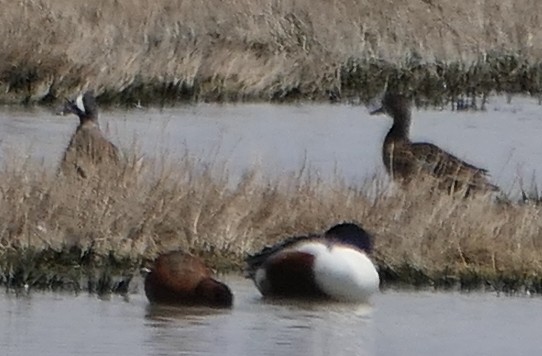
[[335, 265], [88, 147], [406, 161], [179, 278]]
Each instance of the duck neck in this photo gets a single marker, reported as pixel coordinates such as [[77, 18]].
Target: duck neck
[[86, 120], [400, 129]]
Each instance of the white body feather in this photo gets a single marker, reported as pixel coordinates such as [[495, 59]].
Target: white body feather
[[342, 272]]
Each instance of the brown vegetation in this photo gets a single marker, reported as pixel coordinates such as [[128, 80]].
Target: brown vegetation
[[164, 50], [51, 227]]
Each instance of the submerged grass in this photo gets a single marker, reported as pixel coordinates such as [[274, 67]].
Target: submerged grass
[[79, 234], [166, 51]]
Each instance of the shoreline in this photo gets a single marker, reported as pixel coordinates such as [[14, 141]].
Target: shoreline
[[458, 84], [59, 234], [66, 272]]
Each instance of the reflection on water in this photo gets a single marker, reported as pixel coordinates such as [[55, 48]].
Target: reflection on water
[[258, 327], [60, 324], [399, 323]]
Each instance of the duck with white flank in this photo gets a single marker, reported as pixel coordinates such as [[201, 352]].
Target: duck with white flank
[[335, 265], [406, 161]]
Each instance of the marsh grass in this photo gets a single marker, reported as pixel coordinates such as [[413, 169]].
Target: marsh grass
[[166, 51], [95, 233]]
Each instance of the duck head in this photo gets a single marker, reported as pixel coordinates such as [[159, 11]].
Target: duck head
[[84, 106], [394, 104], [214, 293], [351, 234]]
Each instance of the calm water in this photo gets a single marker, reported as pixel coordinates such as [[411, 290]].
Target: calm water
[[328, 138], [397, 323], [343, 139]]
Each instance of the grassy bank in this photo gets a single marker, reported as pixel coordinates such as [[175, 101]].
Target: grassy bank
[[173, 50], [60, 233]]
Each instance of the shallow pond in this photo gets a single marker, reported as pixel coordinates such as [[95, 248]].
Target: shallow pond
[[329, 139], [396, 323]]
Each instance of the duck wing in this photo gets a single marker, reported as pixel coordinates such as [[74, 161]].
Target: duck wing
[[455, 172], [100, 148], [254, 261], [88, 147]]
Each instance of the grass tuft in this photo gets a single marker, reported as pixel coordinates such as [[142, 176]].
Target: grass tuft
[[136, 52], [57, 232]]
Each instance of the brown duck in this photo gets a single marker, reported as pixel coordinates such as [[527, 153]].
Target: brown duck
[[178, 278], [88, 148], [405, 160]]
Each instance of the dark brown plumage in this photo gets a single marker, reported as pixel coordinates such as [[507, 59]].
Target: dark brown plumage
[[88, 149], [406, 161], [179, 278]]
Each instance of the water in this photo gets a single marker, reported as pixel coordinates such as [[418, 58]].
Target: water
[[396, 323], [280, 139]]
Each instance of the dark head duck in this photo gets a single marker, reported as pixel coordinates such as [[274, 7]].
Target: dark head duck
[[88, 148], [407, 161], [84, 106], [334, 265], [177, 278]]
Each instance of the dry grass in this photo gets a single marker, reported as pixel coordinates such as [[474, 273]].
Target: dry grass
[[420, 239], [243, 49]]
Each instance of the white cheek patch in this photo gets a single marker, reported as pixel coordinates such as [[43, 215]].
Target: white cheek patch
[[79, 103]]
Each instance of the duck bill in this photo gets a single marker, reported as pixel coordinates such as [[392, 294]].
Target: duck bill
[[67, 108], [376, 111]]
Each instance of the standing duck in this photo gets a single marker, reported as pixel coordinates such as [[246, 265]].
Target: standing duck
[[88, 147], [334, 265], [406, 161], [177, 278]]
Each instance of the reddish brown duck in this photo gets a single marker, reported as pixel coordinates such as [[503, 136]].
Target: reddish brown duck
[[88, 148], [181, 279], [405, 160]]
